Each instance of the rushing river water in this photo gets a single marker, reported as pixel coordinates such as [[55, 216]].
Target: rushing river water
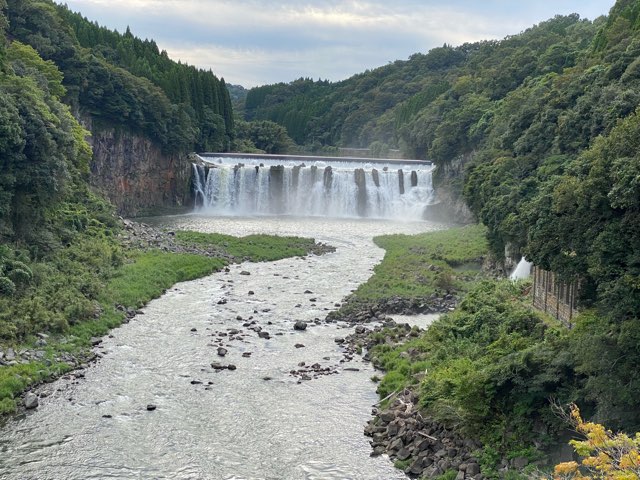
[[256, 422]]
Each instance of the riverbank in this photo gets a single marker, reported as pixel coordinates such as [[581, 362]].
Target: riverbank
[[469, 396], [425, 273], [257, 418], [152, 261]]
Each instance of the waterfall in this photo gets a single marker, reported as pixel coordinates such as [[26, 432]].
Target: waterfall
[[522, 270], [320, 189], [198, 181]]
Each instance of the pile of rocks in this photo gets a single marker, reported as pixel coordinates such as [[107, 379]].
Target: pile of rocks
[[433, 304], [311, 372], [352, 312], [427, 448], [145, 237]]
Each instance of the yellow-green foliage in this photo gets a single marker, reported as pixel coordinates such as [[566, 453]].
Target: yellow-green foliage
[[605, 455], [25, 57]]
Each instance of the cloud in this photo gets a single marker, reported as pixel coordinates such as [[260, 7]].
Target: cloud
[[255, 42]]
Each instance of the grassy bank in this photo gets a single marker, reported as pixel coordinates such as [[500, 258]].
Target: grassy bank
[[129, 280], [416, 267], [489, 368]]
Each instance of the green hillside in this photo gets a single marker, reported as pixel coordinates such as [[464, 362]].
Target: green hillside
[[127, 82]]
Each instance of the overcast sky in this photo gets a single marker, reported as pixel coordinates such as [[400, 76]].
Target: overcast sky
[[251, 42]]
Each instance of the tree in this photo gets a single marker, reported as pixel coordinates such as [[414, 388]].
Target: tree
[[605, 455]]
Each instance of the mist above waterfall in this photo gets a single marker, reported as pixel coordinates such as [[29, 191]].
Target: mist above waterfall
[[316, 188]]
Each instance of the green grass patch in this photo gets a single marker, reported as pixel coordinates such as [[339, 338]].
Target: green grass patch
[[417, 266], [254, 248], [151, 273], [402, 464]]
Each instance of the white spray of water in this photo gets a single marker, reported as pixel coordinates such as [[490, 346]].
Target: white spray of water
[[522, 270]]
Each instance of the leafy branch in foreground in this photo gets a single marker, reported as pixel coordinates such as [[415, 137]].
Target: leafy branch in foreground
[[605, 455]]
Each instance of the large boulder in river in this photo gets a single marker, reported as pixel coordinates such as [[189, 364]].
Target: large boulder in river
[[31, 401], [300, 325]]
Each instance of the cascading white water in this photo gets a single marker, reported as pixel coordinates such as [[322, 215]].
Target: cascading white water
[[522, 270], [338, 190], [198, 183]]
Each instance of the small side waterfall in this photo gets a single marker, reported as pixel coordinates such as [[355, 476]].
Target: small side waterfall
[[337, 190], [522, 270], [198, 181]]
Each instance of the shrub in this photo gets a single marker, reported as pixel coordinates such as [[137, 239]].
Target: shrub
[[7, 287]]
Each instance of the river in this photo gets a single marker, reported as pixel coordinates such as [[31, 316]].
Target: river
[[255, 422]]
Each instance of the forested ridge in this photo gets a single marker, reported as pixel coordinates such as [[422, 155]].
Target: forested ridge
[[127, 82], [57, 236], [545, 121]]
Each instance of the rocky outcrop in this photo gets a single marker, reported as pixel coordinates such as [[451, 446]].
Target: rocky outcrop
[[134, 173], [354, 311], [449, 206], [426, 448]]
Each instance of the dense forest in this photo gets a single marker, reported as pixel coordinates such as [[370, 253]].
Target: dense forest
[[547, 127], [127, 82], [56, 236]]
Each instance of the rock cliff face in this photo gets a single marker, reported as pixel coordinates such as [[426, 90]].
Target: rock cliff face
[[134, 173], [450, 206]]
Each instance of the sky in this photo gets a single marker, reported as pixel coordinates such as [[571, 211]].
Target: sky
[[251, 42]]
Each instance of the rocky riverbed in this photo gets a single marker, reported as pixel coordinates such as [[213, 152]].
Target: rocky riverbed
[[236, 375], [134, 236], [416, 443]]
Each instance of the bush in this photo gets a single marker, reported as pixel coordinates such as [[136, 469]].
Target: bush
[[7, 287]]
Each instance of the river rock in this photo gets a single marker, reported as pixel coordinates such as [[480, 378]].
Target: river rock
[[31, 401], [244, 272], [265, 335], [472, 469], [299, 345], [519, 462], [387, 416], [403, 453], [222, 351], [151, 407], [300, 325], [231, 367], [96, 341]]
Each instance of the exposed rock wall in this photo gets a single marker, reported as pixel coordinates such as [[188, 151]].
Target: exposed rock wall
[[450, 206], [134, 173]]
